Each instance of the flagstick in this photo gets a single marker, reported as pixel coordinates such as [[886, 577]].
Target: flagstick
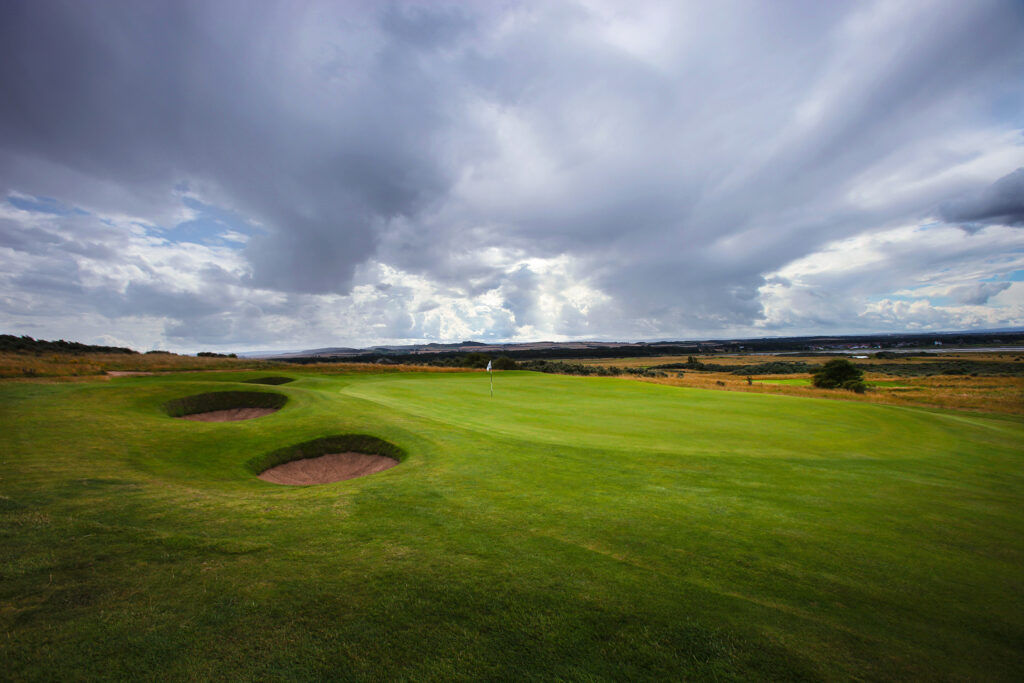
[[491, 375]]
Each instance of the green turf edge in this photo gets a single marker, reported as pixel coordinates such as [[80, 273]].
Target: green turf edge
[[339, 443], [223, 400]]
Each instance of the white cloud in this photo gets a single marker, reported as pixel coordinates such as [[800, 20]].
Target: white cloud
[[885, 280], [339, 175]]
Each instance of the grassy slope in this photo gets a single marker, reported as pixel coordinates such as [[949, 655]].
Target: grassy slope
[[567, 527]]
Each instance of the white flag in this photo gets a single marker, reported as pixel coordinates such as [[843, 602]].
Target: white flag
[[488, 366]]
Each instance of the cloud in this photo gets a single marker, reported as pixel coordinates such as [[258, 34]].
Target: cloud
[[978, 294], [1002, 202], [924, 275], [337, 173]]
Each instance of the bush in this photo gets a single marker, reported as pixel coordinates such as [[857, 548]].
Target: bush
[[504, 363], [475, 360], [837, 373], [855, 385], [780, 367]]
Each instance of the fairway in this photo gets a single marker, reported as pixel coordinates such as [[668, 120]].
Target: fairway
[[567, 528]]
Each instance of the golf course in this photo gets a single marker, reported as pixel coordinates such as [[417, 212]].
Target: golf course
[[565, 528]]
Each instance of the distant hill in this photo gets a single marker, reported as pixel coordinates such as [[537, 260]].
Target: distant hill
[[602, 349], [8, 342]]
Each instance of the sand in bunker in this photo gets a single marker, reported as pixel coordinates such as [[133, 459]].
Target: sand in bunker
[[229, 415], [327, 468]]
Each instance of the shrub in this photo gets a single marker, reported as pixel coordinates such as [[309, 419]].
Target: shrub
[[836, 373], [475, 360], [504, 363], [855, 385], [773, 368]]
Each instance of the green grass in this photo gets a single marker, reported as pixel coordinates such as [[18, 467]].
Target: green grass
[[568, 528]]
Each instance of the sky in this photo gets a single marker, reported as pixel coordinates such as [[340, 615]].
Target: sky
[[239, 176]]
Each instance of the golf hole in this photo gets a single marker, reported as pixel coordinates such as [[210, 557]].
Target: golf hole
[[225, 406], [327, 460]]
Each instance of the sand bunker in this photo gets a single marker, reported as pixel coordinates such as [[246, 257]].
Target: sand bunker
[[231, 415], [327, 468], [270, 380], [225, 406]]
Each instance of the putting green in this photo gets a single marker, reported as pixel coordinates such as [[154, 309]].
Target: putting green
[[630, 415], [573, 528]]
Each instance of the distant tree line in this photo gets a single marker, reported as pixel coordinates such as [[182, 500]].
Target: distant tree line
[[211, 354], [26, 344], [456, 358], [559, 368], [770, 368], [478, 360]]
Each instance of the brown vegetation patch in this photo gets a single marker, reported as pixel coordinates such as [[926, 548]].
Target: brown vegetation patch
[[231, 415], [327, 468], [979, 394]]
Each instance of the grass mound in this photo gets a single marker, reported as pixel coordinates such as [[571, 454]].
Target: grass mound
[[340, 443], [224, 400], [270, 380]]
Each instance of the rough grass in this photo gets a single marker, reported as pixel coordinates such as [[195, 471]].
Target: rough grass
[[992, 394], [567, 529], [64, 365], [1004, 395], [14, 364]]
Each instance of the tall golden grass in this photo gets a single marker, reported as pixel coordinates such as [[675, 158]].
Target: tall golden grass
[[977, 394], [59, 365], [980, 394]]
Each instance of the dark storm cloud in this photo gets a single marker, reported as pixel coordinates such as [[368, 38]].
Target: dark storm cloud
[[676, 154], [1002, 202], [681, 183], [147, 95]]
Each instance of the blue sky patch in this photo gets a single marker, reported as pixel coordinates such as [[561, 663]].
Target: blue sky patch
[[43, 205], [1015, 276], [209, 225]]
